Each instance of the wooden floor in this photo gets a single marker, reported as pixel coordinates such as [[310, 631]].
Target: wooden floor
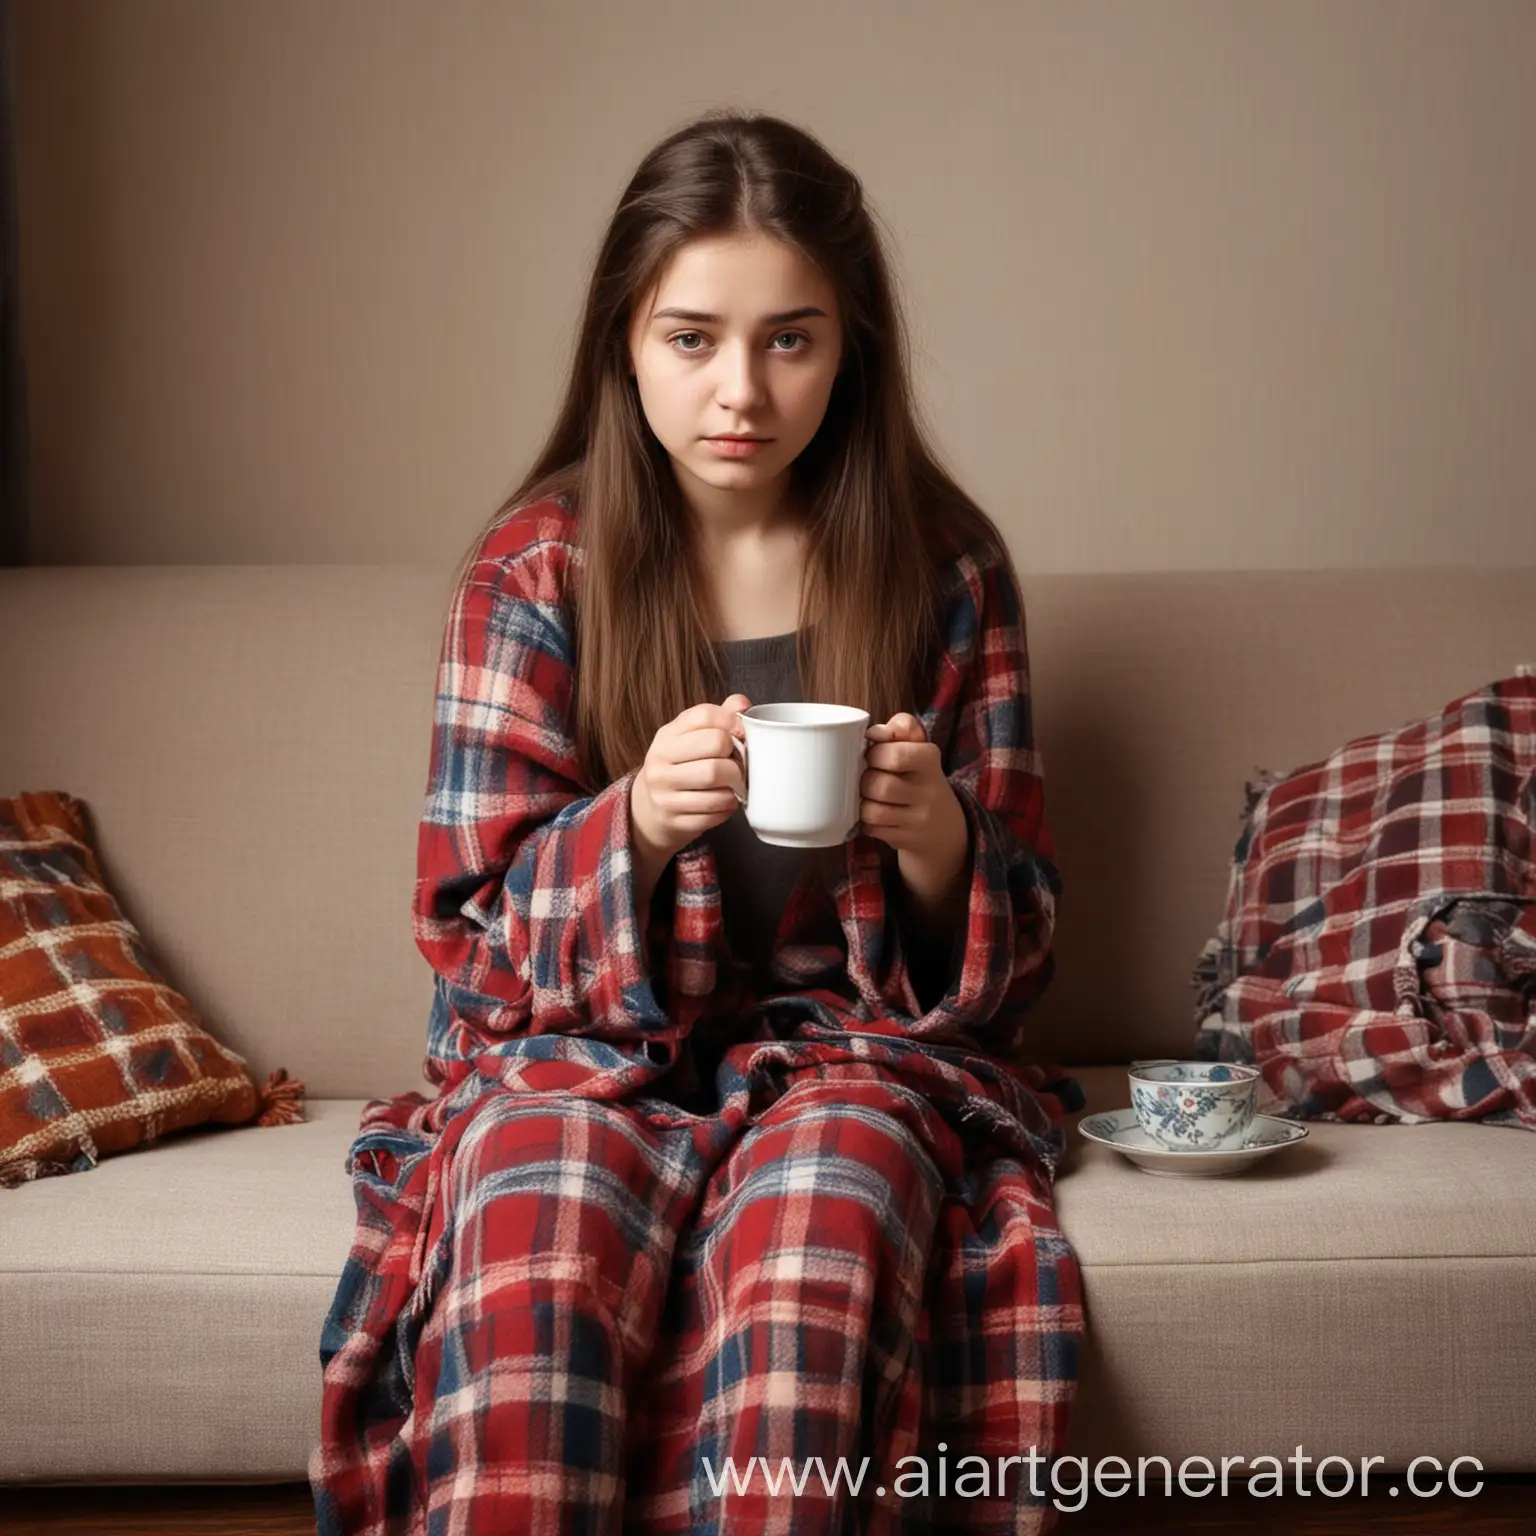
[[1506, 1505]]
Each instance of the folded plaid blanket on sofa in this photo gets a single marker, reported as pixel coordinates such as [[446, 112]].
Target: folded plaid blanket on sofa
[[1377, 957]]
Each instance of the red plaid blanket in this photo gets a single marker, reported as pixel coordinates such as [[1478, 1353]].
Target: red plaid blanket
[[566, 1293], [1377, 958]]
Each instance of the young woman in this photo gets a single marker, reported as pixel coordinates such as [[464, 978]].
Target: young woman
[[734, 1152]]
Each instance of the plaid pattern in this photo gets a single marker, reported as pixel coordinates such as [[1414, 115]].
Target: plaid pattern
[[98, 1053], [1377, 958], [564, 1289]]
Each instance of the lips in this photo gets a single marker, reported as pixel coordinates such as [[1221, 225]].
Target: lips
[[729, 437]]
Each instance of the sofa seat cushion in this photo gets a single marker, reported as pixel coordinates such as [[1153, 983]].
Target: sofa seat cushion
[[162, 1312], [1366, 1292]]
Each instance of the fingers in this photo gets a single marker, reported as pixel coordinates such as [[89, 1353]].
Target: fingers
[[733, 706], [697, 788], [902, 756], [702, 743], [888, 788], [691, 779], [712, 716], [705, 730], [704, 773], [902, 727]]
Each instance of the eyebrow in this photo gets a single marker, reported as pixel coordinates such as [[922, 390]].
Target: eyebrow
[[699, 317]]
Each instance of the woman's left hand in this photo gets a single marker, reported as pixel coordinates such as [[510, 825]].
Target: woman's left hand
[[906, 801]]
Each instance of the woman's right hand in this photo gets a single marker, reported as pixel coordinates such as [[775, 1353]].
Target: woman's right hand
[[690, 778]]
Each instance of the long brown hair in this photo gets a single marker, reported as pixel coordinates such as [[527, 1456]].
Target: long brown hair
[[884, 516]]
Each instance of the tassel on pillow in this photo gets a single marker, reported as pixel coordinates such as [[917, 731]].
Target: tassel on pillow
[[281, 1101]]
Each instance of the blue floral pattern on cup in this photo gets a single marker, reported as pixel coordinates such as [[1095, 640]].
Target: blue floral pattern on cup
[[1195, 1105]]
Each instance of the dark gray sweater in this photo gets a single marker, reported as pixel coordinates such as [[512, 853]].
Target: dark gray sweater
[[756, 877]]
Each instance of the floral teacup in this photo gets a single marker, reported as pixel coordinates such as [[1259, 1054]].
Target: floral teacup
[[1195, 1106]]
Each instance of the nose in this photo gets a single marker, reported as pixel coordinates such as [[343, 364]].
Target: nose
[[740, 387]]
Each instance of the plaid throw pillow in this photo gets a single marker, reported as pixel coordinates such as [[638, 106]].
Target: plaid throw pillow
[[98, 1054]]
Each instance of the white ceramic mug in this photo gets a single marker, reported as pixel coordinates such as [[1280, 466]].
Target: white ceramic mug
[[802, 764]]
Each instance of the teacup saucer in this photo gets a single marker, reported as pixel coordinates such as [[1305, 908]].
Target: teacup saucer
[[1120, 1129]]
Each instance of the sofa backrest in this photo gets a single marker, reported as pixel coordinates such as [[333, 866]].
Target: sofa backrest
[[253, 743]]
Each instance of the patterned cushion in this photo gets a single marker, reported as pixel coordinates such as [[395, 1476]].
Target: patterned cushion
[[98, 1053]]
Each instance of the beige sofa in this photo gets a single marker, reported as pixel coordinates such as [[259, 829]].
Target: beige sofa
[[253, 743]]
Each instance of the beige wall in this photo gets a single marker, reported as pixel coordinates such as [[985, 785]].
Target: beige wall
[[1193, 283]]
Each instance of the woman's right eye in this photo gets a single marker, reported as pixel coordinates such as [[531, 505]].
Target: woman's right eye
[[680, 336]]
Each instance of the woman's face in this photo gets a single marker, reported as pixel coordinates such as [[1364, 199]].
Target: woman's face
[[756, 351]]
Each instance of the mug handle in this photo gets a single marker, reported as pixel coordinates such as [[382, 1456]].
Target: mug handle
[[741, 751]]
